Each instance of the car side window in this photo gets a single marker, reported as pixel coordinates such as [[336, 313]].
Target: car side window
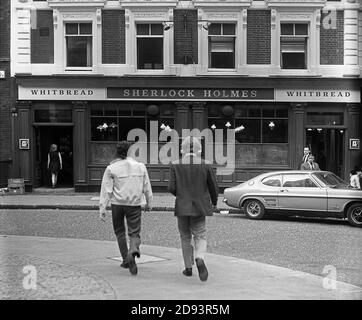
[[298, 181], [273, 181]]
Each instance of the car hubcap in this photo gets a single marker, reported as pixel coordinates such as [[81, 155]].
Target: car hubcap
[[254, 209], [357, 215]]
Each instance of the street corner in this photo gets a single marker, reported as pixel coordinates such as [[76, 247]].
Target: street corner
[[27, 277]]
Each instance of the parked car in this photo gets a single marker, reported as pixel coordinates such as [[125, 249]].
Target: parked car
[[302, 193]]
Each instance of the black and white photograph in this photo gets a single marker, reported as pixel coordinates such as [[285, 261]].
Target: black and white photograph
[[179, 156]]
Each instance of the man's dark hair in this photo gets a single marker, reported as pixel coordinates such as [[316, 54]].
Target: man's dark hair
[[122, 149]]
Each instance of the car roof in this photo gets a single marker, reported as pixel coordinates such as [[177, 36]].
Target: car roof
[[270, 173]]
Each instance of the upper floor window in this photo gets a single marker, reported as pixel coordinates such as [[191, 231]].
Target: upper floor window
[[294, 45], [149, 46], [78, 38], [222, 45]]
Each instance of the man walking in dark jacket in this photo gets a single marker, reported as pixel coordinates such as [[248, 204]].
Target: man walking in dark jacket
[[193, 182]]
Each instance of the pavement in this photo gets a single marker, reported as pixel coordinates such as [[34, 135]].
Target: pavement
[[37, 268], [67, 199]]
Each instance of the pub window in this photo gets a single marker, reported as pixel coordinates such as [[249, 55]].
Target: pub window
[[222, 45], [149, 46], [46, 112], [165, 118], [293, 45], [112, 122], [253, 123], [78, 37], [325, 118]]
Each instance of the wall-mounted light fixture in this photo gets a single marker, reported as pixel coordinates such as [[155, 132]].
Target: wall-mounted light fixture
[[240, 128], [14, 112], [102, 127], [207, 25], [167, 25], [271, 125]]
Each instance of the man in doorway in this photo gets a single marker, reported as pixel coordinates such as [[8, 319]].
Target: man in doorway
[[310, 164], [193, 182], [306, 152], [124, 183]]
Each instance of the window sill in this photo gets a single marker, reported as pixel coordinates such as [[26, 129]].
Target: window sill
[[216, 70], [222, 72], [294, 73], [78, 69]]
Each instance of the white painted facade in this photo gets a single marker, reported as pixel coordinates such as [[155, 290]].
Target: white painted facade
[[309, 11]]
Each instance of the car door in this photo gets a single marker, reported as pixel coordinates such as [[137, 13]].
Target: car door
[[300, 192], [270, 189]]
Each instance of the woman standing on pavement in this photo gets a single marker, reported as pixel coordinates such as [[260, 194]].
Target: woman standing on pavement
[[54, 163]]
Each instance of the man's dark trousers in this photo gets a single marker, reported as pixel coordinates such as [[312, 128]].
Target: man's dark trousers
[[133, 218]]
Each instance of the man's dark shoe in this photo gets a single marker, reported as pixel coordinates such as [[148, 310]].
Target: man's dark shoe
[[125, 265], [203, 273], [187, 272], [132, 265]]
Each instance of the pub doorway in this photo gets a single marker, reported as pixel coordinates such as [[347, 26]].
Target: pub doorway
[[62, 136], [327, 145]]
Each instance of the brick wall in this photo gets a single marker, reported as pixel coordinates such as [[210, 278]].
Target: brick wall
[[5, 93], [332, 41], [258, 37], [185, 36], [113, 37], [42, 38], [360, 47]]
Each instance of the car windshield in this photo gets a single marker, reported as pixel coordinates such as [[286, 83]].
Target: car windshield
[[329, 179]]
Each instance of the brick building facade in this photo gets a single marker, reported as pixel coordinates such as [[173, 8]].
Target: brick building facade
[[281, 74], [5, 93]]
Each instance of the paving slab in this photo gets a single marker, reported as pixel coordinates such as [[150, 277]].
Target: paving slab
[[89, 269]]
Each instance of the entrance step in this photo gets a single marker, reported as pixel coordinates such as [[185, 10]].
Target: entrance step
[[47, 190]]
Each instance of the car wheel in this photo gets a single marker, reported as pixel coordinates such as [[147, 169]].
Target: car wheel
[[354, 214], [254, 209]]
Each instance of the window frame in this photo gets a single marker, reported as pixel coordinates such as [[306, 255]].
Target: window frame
[[167, 119], [306, 176], [234, 119], [295, 38], [222, 35], [92, 36], [276, 176], [149, 36]]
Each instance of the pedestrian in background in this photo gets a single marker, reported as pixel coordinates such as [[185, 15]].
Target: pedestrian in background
[[310, 164], [54, 164], [306, 153], [193, 182], [125, 182], [354, 178]]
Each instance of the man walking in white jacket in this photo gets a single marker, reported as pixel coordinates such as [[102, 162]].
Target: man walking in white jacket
[[124, 183]]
